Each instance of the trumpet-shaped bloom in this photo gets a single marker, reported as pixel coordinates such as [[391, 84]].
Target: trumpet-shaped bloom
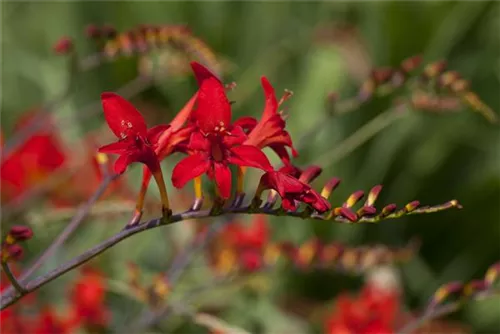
[[270, 130], [136, 142], [215, 143]]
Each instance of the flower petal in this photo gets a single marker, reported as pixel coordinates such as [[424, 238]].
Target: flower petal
[[198, 142], [251, 156], [271, 102], [115, 148], [282, 153], [246, 123], [183, 115], [201, 72], [122, 117], [156, 132], [236, 137], [122, 163], [189, 168], [223, 179], [214, 110], [288, 204], [146, 156]]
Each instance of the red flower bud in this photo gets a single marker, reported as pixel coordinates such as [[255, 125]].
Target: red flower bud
[[63, 46], [21, 233], [11, 252]]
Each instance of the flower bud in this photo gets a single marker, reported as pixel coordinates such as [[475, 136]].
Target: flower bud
[[21, 233], [63, 46]]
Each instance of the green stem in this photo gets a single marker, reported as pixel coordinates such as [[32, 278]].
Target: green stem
[[361, 136]]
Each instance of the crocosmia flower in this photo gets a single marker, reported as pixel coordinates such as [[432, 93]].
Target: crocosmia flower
[[374, 311], [37, 158], [88, 299], [136, 143], [215, 143], [270, 130]]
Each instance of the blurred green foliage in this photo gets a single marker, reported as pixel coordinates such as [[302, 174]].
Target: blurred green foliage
[[424, 156]]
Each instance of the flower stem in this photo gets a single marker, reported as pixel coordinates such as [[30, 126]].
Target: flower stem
[[15, 283], [8, 297], [240, 179], [198, 191], [359, 137], [75, 222], [139, 205], [158, 175]]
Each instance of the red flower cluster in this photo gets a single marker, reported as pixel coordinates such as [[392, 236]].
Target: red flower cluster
[[32, 162], [42, 156], [87, 310], [378, 309], [247, 243], [374, 311], [211, 140]]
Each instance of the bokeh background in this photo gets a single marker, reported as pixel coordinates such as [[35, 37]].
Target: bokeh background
[[312, 49]]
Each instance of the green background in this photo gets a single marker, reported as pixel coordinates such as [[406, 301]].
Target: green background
[[424, 156]]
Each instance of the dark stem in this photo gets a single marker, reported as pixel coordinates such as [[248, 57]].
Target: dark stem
[[10, 297], [428, 316], [15, 283], [75, 222]]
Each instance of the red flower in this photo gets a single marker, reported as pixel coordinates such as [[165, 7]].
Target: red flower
[[254, 236], [49, 323], [246, 242], [216, 143], [291, 191], [87, 298], [168, 142], [270, 130], [374, 311], [136, 142], [32, 162]]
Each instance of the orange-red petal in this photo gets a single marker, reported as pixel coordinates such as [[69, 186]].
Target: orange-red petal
[[122, 117]]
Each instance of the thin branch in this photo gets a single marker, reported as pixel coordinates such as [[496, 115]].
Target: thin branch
[[428, 316], [180, 263], [184, 258], [13, 280], [75, 222], [10, 297], [361, 136], [341, 107], [214, 324], [103, 208]]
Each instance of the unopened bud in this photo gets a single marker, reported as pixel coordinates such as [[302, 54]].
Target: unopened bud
[[21, 233], [63, 46]]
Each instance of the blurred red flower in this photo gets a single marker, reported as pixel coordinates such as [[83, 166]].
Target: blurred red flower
[[374, 311], [245, 244], [32, 162], [88, 299]]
